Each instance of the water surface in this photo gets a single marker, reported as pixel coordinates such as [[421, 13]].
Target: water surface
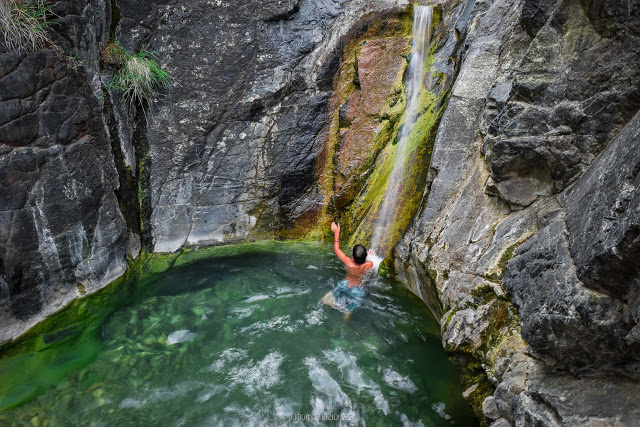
[[243, 340]]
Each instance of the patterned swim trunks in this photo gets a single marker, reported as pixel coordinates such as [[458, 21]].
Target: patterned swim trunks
[[348, 298]]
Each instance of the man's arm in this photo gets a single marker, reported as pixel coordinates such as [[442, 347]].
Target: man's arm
[[336, 243]]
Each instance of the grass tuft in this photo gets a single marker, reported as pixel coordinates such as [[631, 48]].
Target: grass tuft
[[139, 77], [114, 54], [24, 24]]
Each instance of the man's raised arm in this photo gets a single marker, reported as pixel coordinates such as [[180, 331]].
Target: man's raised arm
[[336, 242]]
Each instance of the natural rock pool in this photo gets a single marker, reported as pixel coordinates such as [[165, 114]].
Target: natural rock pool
[[238, 340]]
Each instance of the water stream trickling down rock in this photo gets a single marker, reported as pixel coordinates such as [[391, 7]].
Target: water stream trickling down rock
[[422, 17]]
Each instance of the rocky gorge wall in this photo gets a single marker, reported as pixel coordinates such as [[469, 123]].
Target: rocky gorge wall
[[228, 152], [526, 243], [62, 231], [521, 205]]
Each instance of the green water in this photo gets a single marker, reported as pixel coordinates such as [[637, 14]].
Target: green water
[[238, 340]]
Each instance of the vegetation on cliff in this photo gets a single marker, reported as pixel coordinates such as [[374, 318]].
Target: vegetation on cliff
[[139, 75], [24, 24]]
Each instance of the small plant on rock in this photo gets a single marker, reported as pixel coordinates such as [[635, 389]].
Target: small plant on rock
[[114, 54], [24, 24], [139, 76]]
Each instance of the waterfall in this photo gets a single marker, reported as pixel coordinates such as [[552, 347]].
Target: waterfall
[[419, 53]]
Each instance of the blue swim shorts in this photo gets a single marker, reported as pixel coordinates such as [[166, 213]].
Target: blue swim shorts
[[346, 297]]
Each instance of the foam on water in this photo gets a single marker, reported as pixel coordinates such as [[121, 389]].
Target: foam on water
[[182, 335], [376, 260], [396, 380], [258, 376]]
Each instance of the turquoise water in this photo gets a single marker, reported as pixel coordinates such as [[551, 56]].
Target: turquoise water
[[242, 340]]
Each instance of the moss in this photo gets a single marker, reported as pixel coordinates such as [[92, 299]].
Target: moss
[[472, 374], [452, 313], [345, 84], [365, 210], [500, 339], [483, 294], [113, 54]]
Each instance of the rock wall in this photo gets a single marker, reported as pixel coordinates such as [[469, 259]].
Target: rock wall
[[230, 151], [233, 145], [524, 246], [282, 114], [62, 233]]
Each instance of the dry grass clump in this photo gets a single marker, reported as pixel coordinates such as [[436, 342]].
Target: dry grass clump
[[24, 25], [139, 76]]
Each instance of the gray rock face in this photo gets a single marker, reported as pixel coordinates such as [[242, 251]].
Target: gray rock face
[[567, 98], [227, 153], [233, 146], [61, 230], [576, 281], [603, 215], [517, 218]]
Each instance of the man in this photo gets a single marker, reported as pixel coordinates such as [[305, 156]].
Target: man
[[349, 293]]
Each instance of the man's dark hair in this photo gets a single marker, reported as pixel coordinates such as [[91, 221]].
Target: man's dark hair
[[359, 254]]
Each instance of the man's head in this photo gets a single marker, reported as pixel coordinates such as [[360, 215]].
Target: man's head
[[359, 254]]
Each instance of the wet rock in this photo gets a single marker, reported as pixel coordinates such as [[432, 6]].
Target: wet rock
[[61, 227], [368, 111], [515, 212], [232, 148]]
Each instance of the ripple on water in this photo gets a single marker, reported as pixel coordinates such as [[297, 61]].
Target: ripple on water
[[157, 395], [182, 335], [280, 323], [315, 317], [357, 378], [261, 375], [225, 357], [329, 397]]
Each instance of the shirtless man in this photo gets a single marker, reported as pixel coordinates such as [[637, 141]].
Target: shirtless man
[[349, 293]]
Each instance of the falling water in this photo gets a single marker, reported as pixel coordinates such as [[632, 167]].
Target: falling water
[[421, 39]]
